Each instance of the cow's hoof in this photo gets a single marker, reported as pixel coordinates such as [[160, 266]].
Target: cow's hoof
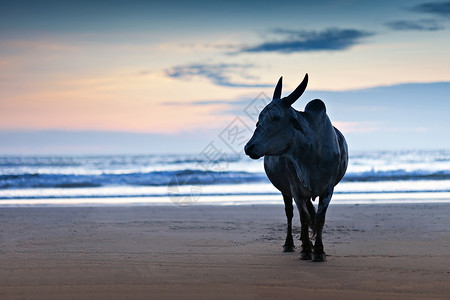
[[305, 255], [288, 248], [321, 257]]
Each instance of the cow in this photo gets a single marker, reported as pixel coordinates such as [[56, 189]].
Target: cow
[[305, 157]]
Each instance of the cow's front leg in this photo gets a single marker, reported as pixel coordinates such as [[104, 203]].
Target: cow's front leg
[[305, 221], [289, 209], [324, 200]]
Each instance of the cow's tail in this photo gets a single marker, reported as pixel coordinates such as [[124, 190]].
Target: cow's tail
[[310, 211]]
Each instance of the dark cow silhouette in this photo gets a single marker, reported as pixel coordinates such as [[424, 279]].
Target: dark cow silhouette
[[304, 158]]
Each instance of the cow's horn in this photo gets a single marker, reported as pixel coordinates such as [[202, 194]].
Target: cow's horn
[[277, 92], [289, 100]]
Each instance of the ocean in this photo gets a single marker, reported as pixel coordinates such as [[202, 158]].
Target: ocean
[[374, 177]]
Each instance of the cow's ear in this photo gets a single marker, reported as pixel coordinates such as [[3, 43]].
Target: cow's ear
[[296, 123]]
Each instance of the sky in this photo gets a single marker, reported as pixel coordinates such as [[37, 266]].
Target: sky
[[177, 76]]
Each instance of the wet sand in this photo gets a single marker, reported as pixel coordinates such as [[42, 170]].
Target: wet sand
[[230, 252]]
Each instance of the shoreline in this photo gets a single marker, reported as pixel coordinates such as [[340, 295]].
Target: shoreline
[[225, 200], [114, 252]]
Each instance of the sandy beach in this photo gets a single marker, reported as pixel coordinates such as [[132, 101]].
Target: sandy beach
[[229, 252]]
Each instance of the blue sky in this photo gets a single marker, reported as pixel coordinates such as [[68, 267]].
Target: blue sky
[[172, 76]]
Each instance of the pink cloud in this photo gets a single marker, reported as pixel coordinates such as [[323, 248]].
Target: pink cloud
[[357, 127]]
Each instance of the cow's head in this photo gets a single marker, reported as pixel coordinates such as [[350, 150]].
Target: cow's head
[[276, 124]]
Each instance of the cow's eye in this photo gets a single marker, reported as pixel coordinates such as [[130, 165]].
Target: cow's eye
[[276, 118], [257, 123]]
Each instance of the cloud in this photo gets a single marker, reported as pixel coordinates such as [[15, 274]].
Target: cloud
[[332, 39], [200, 102], [218, 74], [439, 8], [420, 25]]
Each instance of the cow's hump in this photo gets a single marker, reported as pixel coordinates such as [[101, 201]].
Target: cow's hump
[[316, 106]]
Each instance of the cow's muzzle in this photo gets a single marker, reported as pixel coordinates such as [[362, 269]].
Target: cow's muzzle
[[250, 151]]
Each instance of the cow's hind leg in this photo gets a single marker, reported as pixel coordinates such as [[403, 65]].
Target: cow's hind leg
[[319, 220], [306, 216], [289, 209]]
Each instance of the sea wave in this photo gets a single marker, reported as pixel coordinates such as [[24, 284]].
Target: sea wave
[[190, 177], [162, 178], [255, 189], [395, 175]]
